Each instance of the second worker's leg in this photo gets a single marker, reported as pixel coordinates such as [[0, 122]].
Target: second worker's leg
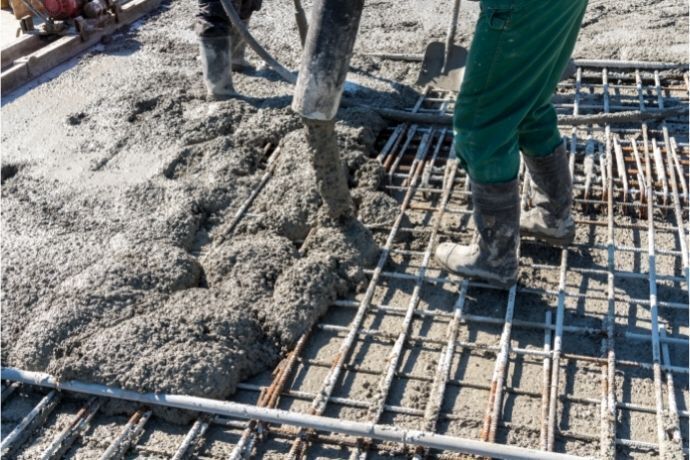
[[550, 199], [216, 67], [239, 48], [215, 46], [245, 9]]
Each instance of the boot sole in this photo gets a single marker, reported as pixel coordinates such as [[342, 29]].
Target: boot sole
[[221, 97], [553, 241], [482, 275]]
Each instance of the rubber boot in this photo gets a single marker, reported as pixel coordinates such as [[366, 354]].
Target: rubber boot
[[239, 48], [492, 256], [551, 194], [215, 61]]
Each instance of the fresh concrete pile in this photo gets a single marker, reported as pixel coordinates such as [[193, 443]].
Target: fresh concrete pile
[[126, 283], [146, 313]]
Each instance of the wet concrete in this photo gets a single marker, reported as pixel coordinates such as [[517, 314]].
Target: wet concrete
[[117, 175], [325, 159], [137, 308]]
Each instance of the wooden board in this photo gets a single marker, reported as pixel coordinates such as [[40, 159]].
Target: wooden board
[[25, 67], [23, 46]]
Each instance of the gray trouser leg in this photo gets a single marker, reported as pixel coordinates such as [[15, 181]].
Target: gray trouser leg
[[215, 61]]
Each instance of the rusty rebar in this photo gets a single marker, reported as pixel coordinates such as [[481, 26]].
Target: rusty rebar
[[675, 433], [33, 419], [682, 232], [376, 408], [656, 350], [128, 436], [78, 425], [198, 429], [270, 398], [441, 376]]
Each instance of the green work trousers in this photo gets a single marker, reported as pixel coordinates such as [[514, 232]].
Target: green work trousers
[[519, 50]]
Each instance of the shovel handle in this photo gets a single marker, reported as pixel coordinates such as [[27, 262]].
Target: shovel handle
[[450, 37]]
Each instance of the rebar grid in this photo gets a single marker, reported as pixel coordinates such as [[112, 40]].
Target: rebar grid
[[397, 164], [630, 181], [376, 409], [417, 166]]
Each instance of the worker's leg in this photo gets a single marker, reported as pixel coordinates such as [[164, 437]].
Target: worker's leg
[[538, 131], [211, 20], [213, 29], [239, 47], [244, 8], [485, 132], [510, 62], [485, 128], [514, 63], [550, 197]]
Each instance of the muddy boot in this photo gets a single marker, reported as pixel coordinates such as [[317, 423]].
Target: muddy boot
[[215, 62], [492, 256], [548, 217], [239, 47]]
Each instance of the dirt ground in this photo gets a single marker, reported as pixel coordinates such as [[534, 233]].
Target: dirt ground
[[118, 178]]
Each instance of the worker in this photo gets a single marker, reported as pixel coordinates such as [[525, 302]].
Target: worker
[[517, 55], [221, 46]]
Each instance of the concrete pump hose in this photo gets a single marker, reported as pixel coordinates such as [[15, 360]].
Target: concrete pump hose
[[251, 41]]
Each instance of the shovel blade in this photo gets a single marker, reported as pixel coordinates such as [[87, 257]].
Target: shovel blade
[[432, 72]]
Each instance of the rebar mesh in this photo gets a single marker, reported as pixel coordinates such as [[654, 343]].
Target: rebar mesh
[[587, 354]]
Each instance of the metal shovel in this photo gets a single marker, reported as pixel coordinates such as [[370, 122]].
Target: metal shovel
[[444, 63]]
